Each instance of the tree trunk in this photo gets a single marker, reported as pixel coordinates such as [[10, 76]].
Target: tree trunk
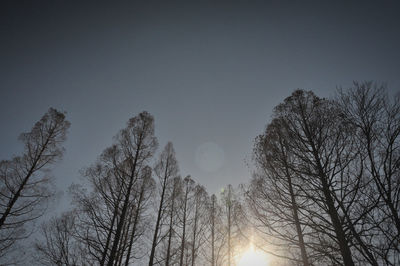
[[213, 232], [170, 231], [153, 246], [184, 227], [137, 214], [194, 234], [124, 209], [297, 222], [229, 226], [332, 212]]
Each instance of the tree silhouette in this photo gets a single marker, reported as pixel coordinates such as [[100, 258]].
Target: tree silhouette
[[24, 180]]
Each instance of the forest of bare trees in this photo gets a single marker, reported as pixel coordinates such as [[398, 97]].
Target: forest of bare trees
[[325, 190]]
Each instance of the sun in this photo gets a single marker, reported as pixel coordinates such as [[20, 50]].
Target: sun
[[252, 257]]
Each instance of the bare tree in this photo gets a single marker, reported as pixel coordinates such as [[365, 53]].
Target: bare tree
[[136, 144], [23, 180], [166, 169], [322, 147], [110, 213]]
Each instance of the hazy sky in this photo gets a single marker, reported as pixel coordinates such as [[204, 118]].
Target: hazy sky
[[210, 73]]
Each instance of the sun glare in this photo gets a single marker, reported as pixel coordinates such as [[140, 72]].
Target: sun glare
[[252, 257]]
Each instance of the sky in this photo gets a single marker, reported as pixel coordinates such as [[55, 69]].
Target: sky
[[209, 72]]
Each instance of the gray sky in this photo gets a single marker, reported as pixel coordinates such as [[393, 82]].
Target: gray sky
[[208, 72]]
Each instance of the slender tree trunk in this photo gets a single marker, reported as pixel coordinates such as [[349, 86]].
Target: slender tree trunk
[[229, 226], [184, 227], [297, 222], [14, 199], [170, 231], [137, 214], [370, 256], [194, 234], [153, 246], [296, 217], [109, 234], [169, 238], [294, 208], [124, 209], [213, 232], [16, 196], [337, 225], [123, 243]]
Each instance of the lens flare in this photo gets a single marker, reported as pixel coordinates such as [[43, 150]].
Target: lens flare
[[252, 257], [209, 157]]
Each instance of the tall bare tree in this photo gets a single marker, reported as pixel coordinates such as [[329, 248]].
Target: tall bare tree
[[166, 169], [120, 183], [320, 141], [24, 180], [136, 144]]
